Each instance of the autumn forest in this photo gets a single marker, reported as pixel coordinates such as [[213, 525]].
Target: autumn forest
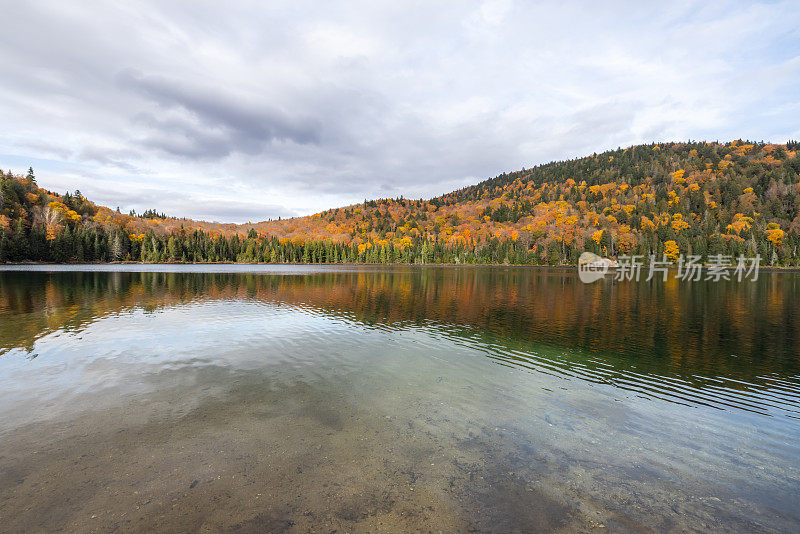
[[699, 198]]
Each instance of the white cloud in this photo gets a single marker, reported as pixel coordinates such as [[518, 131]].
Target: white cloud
[[199, 108]]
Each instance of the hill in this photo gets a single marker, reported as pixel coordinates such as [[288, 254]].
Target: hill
[[693, 198]]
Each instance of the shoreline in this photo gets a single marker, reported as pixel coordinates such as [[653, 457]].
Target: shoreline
[[295, 264]]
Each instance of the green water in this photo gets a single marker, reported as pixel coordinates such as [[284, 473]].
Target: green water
[[286, 398]]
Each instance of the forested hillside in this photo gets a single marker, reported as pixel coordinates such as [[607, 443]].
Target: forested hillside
[[691, 198]]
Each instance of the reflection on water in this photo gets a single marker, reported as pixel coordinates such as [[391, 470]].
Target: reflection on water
[[726, 345], [396, 398]]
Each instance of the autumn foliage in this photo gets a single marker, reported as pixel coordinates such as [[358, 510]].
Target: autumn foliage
[[673, 198]]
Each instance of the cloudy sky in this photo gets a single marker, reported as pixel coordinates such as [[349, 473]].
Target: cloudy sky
[[237, 111]]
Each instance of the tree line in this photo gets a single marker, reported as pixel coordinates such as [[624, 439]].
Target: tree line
[[695, 198]]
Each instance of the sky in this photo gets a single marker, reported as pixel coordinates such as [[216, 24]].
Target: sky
[[243, 111]]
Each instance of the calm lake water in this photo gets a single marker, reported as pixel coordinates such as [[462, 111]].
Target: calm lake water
[[271, 398]]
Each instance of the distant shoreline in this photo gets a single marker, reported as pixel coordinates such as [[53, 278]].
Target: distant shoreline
[[295, 264]]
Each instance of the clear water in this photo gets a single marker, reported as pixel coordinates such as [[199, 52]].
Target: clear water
[[271, 398]]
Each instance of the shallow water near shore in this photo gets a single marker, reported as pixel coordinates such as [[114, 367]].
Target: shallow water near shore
[[298, 398]]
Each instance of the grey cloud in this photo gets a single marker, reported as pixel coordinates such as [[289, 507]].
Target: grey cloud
[[179, 204], [247, 212], [111, 157], [222, 210], [237, 126], [318, 105], [47, 149]]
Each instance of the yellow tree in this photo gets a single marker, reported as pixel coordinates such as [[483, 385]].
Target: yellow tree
[[678, 223], [671, 250], [774, 235]]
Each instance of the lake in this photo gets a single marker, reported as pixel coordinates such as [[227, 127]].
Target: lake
[[293, 398]]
